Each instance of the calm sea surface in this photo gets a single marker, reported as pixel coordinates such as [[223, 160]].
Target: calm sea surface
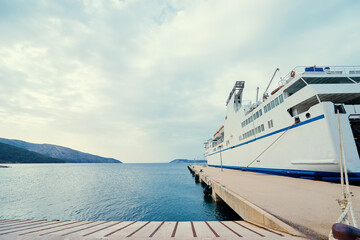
[[141, 192]]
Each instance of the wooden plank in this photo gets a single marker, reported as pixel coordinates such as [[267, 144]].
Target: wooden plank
[[58, 224], [156, 229], [260, 229], [21, 224], [148, 230], [166, 231], [203, 230], [184, 230], [132, 227], [137, 230], [104, 230], [84, 229], [231, 229], [127, 224], [21, 229]]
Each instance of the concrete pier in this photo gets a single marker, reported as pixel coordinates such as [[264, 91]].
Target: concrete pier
[[296, 206], [57, 230]]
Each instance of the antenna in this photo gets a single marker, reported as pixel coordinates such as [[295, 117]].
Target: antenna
[[265, 96], [257, 94]]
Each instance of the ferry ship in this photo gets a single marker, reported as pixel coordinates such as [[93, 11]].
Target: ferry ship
[[294, 130]]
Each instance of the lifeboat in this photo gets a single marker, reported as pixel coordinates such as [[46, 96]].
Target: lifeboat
[[273, 92], [220, 132]]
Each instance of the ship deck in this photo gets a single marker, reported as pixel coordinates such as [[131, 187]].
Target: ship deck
[[55, 230], [307, 206]]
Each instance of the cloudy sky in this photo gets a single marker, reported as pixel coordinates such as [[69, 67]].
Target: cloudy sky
[[147, 81]]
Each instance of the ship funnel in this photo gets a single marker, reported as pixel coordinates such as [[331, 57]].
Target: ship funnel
[[238, 90]]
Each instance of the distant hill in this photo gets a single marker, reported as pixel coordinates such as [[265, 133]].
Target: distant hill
[[12, 154], [188, 161], [67, 154]]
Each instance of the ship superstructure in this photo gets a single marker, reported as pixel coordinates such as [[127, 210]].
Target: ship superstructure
[[295, 130]]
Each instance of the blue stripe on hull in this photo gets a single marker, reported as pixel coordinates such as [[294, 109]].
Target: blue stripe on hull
[[272, 133], [318, 175]]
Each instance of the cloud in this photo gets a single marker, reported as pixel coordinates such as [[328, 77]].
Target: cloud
[[147, 81]]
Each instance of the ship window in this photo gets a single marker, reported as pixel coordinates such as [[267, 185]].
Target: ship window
[[281, 98], [260, 111], [276, 101], [252, 132], [265, 109], [327, 80], [254, 116], [268, 106], [262, 127], [270, 124], [257, 114], [272, 104], [296, 86], [251, 118]]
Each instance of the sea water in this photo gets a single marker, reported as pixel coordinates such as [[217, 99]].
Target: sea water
[[106, 192]]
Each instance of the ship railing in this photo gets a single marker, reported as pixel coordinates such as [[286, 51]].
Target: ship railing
[[217, 142], [331, 70]]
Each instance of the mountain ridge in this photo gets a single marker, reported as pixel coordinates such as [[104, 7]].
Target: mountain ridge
[[187, 161], [12, 154], [55, 151]]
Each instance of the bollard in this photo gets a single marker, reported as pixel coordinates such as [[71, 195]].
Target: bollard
[[208, 190], [197, 178], [345, 232]]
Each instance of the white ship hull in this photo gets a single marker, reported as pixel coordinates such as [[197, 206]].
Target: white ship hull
[[298, 136]]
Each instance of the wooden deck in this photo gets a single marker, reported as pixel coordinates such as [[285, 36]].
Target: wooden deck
[[42, 229]]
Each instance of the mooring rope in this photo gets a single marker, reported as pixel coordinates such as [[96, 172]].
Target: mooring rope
[[244, 169], [346, 198]]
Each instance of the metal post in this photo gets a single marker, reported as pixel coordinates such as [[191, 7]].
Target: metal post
[[221, 159]]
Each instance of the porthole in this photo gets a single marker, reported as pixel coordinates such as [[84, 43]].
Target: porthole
[[308, 115]]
